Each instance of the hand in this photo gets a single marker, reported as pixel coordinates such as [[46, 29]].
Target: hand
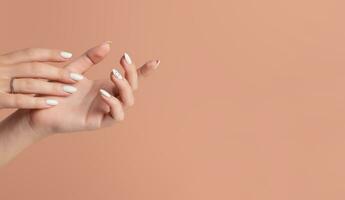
[[87, 109], [21, 73], [90, 107]]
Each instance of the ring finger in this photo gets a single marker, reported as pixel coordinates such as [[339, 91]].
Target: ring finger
[[123, 89]]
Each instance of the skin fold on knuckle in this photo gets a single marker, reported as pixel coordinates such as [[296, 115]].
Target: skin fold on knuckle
[[119, 117], [63, 75], [128, 93], [118, 113], [56, 88], [128, 102], [134, 86], [32, 52], [27, 85], [36, 68], [21, 102]]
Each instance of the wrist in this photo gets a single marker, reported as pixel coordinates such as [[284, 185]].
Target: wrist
[[16, 134], [19, 123]]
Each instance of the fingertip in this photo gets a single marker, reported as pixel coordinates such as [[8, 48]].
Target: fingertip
[[104, 93], [148, 67], [157, 64], [96, 54], [117, 74], [66, 55]]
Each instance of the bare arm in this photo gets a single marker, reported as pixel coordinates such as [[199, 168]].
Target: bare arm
[[15, 135]]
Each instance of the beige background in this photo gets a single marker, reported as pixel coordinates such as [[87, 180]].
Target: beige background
[[248, 102]]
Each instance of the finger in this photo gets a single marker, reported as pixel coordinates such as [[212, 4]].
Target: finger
[[22, 101], [123, 88], [35, 55], [44, 71], [116, 109], [131, 73], [148, 68], [89, 58], [36, 86]]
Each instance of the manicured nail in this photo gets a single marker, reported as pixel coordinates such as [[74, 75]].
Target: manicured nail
[[107, 43], [157, 63], [69, 89], [76, 77], [128, 59], [66, 54], [104, 93], [117, 74], [52, 102]]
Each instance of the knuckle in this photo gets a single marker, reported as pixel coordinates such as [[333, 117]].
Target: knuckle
[[30, 85], [130, 102], [32, 52], [134, 87], [56, 88], [131, 70], [52, 53], [62, 74], [96, 55], [120, 117], [20, 102], [36, 68]]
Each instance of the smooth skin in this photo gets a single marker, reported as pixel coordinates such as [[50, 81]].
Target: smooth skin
[[87, 109], [30, 72]]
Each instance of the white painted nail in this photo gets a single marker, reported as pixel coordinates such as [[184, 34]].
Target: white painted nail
[[157, 64], [52, 102], [104, 93], [128, 59], [76, 77], [66, 54], [117, 74], [69, 89]]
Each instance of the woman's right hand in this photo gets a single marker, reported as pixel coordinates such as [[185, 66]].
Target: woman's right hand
[[25, 72]]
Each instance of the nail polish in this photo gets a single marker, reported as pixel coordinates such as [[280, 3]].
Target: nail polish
[[157, 63], [108, 42], [66, 54], [76, 76], [52, 102], [117, 74], [69, 89], [128, 59], [104, 93]]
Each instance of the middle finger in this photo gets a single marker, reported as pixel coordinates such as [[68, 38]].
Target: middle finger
[[37, 86]]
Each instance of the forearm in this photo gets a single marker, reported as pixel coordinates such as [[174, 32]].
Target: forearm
[[15, 135]]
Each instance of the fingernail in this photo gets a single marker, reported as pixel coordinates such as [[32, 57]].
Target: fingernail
[[128, 59], [108, 42], [52, 102], [76, 76], [66, 54], [104, 93], [117, 74], [69, 89], [157, 63]]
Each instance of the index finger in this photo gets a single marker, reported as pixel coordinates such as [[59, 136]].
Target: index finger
[[35, 55], [89, 58]]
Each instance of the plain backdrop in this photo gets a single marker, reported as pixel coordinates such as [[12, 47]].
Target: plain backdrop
[[248, 102]]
